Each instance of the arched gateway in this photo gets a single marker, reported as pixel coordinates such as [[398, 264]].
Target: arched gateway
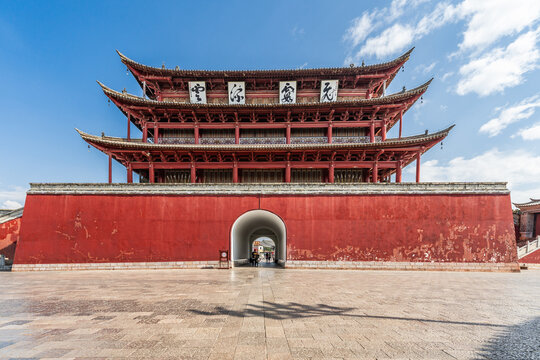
[[255, 224]]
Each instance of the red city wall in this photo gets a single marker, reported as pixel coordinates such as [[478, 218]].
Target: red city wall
[[9, 235], [139, 228]]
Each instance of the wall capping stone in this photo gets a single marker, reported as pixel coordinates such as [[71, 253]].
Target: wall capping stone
[[481, 188], [290, 264]]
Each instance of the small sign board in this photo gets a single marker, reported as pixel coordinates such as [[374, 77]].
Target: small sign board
[[224, 259], [197, 92], [237, 92], [329, 89], [287, 92]]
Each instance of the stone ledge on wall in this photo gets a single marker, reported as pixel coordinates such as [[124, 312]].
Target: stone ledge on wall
[[291, 264], [270, 189], [389, 265]]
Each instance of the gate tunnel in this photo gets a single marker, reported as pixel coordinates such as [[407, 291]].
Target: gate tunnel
[[255, 224]]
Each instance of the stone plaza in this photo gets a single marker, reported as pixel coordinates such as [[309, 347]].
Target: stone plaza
[[269, 313]]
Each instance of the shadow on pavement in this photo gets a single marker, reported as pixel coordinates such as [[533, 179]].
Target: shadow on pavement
[[294, 310], [520, 341]]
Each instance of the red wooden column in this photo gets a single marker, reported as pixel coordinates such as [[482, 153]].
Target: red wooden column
[[110, 168], [372, 132], [193, 173], [235, 173], [330, 133], [129, 127], [144, 132], [129, 173], [196, 135], [237, 135], [398, 172], [288, 134], [152, 178], [331, 173], [156, 134], [400, 122], [383, 130], [288, 173], [375, 174], [418, 167]]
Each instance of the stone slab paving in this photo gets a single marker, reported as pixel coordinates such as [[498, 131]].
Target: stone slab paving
[[266, 313]]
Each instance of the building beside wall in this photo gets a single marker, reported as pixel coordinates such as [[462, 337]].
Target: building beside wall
[[10, 226], [529, 219], [299, 156]]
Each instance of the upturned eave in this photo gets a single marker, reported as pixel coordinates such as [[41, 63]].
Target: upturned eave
[[348, 70], [384, 100], [120, 143]]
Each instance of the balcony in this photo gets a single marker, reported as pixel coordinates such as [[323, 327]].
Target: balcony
[[176, 140], [354, 139], [266, 140], [216, 141], [262, 140], [309, 140]]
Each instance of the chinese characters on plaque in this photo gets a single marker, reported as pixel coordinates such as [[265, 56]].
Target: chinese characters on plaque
[[197, 92], [287, 92], [237, 92], [329, 90]]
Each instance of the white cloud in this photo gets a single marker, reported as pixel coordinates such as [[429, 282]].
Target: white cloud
[[297, 32], [447, 75], [531, 133], [520, 168], [398, 36], [362, 26], [490, 20], [11, 204], [12, 198], [425, 69], [393, 39], [500, 68], [523, 110], [485, 23]]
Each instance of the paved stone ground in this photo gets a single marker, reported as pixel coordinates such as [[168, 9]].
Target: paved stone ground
[[267, 313]]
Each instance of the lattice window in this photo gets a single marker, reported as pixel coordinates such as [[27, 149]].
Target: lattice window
[[261, 175], [217, 176], [176, 176], [306, 175], [348, 175]]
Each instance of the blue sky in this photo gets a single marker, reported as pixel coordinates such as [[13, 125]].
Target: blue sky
[[484, 56]]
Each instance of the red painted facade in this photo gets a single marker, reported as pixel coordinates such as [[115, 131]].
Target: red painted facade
[[9, 236], [533, 258], [145, 228]]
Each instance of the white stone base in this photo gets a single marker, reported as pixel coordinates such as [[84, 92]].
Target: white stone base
[[388, 265], [119, 266], [290, 264], [531, 266]]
